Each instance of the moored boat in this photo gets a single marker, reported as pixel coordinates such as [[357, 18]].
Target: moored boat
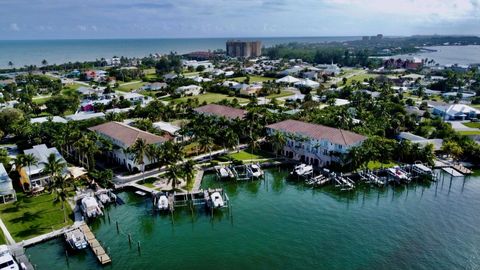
[[76, 239]]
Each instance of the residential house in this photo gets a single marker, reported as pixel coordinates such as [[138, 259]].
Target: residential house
[[157, 86], [221, 111], [122, 137], [54, 119], [407, 136], [172, 130], [315, 144], [35, 176], [7, 193], [195, 64], [189, 90], [456, 112]]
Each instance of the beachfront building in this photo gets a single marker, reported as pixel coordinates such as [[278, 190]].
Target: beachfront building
[[189, 90], [34, 175], [456, 112], [244, 49], [122, 136], [7, 193], [315, 144], [221, 111]]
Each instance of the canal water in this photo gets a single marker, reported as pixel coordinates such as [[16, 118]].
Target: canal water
[[277, 224]]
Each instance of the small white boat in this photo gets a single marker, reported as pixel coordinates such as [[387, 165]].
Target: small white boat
[[6, 259], [224, 172], [162, 202], [217, 200], [90, 207], [103, 198], [76, 239], [399, 174], [255, 171], [302, 170]]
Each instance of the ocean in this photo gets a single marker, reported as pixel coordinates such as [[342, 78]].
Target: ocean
[[449, 55], [279, 224], [32, 52]]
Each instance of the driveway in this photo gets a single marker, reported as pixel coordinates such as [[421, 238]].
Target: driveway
[[459, 126]]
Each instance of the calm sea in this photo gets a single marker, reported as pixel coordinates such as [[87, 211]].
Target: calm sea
[[32, 52], [449, 55], [278, 224]]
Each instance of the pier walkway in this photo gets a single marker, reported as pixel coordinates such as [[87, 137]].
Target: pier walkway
[[97, 249], [198, 180], [6, 233]]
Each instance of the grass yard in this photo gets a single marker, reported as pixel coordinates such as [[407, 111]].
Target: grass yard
[[41, 100], [33, 216], [128, 87], [375, 165], [253, 79], [475, 106], [472, 124], [248, 155], [283, 93], [149, 182], [71, 89], [467, 133], [359, 78], [3, 241], [211, 98]]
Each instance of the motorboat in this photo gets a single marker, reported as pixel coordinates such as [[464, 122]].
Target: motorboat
[[421, 169], [217, 200], [225, 172], [399, 174], [162, 202], [7, 262], [76, 239], [255, 171], [103, 198], [302, 170], [106, 196], [90, 207]]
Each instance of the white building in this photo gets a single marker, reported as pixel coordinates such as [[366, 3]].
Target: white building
[[315, 144], [456, 112], [7, 193], [195, 64], [54, 119], [122, 137], [189, 90], [35, 174], [172, 130]]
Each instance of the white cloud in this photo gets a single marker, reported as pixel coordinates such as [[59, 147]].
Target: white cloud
[[82, 28]]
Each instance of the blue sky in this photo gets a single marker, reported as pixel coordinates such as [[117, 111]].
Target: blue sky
[[38, 19]]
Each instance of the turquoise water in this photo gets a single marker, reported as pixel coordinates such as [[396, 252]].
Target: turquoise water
[[32, 52], [276, 224]]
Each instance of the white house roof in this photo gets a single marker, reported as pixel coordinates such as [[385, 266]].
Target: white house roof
[[457, 109], [288, 79], [84, 116], [308, 83], [55, 119], [6, 186], [167, 127], [41, 153]]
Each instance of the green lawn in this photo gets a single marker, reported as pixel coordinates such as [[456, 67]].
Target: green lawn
[[475, 106], [472, 124], [33, 216], [248, 155], [3, 241], [149, 182], [211, 98], [128, 87], [253, 79], [466, 133], [359, 78], [41, 100], [375, 165], [283, 93], [70, 89]]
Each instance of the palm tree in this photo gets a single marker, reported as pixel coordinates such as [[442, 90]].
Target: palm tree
[[60, 186], [278, 141], [188, 171], [173, 174], [10, 64], [29, 160], [205, 143], [139, 150], [53, 167]]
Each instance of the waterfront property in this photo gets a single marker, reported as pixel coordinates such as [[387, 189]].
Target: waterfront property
[[315, 144], [221, 111], [172, 130], [7, 193], [237, 48], [34, 174], [123, 136], [188, 90]]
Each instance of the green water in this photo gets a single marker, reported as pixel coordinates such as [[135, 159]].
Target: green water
[[276, 224]]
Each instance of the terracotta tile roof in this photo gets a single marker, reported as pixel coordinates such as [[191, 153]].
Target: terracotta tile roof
[[220, 110], [334, 135], [126, 134]]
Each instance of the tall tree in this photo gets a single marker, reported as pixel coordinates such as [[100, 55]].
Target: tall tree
[[54, 167], [139, 151]]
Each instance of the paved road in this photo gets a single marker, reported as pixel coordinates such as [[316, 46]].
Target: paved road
[[458, 126]]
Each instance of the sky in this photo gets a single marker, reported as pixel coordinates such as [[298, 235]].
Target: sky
[[74, 19]]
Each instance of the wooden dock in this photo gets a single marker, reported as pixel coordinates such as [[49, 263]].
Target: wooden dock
[[97, 249], [461, 168]]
